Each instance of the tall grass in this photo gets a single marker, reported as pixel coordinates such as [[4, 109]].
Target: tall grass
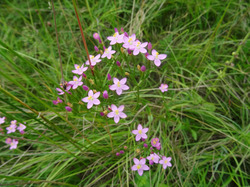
[[202, 121]]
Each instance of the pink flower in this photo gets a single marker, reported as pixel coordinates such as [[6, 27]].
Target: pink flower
[[140, 166], [13, 144], [79, 70], [11, 128], [55, 102], [8, 140], [129, 42], [76, 82], [116, 38], [2, 120], [108, 52], [117, 113], [140, 132], [163, 88], [140, 47], [155, 142], [105, 94], [154, 157], [96, 36], [165, 162], [94, 60], [21, 127], [119, 86], [69, 109], [156, 57], [91, 99]]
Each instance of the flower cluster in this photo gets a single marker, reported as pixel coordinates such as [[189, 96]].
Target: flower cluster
[[153, 158], [11, 129]]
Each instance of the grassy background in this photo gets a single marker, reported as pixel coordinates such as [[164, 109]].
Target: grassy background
[[202, 121]]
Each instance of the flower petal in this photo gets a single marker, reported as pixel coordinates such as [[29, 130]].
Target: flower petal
[[113, 87], [119, 91], [136, 161], [150, 57], [140, 171], [113, 107], [143, 161], [111, 115], [135, 132], [139, 127], [116, 119], [145, 167], [154, 52], [115, 80], [145, 130], [123, 81], [90, 104], [138, 137], [162, 56], [96, 95], [134, 167], [157, 62], [96, 102], [121, 108], [122, 115], [90, 93]]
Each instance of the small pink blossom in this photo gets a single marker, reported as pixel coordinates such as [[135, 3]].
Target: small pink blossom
[[92, 99], [76, 82], [117, 113], [156, 57], [129, 42], [55, 102], [2, 120], [96, 36], [79, 70], [154, 157], [116, 38], [140, 132], [139, 47], [11, 128], [8, 140], [21, 127], [13, 144], [93, 60], [119, 85], [108, 52], [165, 162], [155, 142], [163, 88], [140, 165]]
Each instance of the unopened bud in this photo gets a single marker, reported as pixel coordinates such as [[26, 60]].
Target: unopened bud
[[122, 49], [96, 49], [91, 81], [118, 63], [149, 46], [126, 73], [69, 104], [102, 114], [139, 67], [96, 36], [68, 108], [94, 91], [105, 94], [122, 30], [101, 51], [116, 30], [143, 68], [109, 77], [105, 112], [125, 147], [86, 88]]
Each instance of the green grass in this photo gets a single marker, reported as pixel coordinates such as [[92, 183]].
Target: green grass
[[202, 121]]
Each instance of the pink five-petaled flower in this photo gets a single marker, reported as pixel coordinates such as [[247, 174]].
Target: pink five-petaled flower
[[154, 157], [79, 70], [76, 82], [93, 60], [140, 47], [11, 128], [165, 162], [108, 52], [163, 87], [58, 100], [117, 113], [119, 85], [156, 57], [91, 99], [21, 127], [129, 42], [116, 38], [140, 132], [13, 144], [140, 166], [2, 120], [155, 142]]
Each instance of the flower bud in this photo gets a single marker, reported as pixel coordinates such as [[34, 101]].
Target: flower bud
[[122, 30], [116, 30], [125, 147], [151, 148], [149, 46], [100, 41], [102, 114], [137, 150], [101, 51], [129, 51], [96, 36], [96, 49], [109, 77], [121, 152], [151, 162], [86, 88], [122, 49], [91, 81], [105, 94], [126, 34], [118, 63], [83, 74], [146, 55], [68, 108], [69, 104], [117, 154], [143, 139], [143, 68], [139, 67], [8, 140], [145, 145], [94, 91], [126, 73], [105, 112], [104, 48]]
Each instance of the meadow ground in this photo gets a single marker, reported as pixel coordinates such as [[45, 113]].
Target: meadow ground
[[202, 121]]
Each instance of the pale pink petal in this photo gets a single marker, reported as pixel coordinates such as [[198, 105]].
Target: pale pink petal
[[122, 115], [112, 52], [74, 86], [134, 167], [168, 159], [133, 36], [157, 62], [154, 52], [136, 161], [145, 167], [116, 119], [119, 91], [90, 93], [109, 56], [144, 130], [110, 38], [150, 57], [136, 52], [161, 161], [144, 136], [138, 137], [143, 161], [164, 166], [140, 171], [103, 56], [109, 48], [144, 44], [139, 127], [143, 50], [135, 132], [113, 87], [85, 99], [96, 101], [90, 104], [113, 107], [115, 80], [96, 95], [111, 115], [162, 56], [121, 108], [123, 81], [169, 164]]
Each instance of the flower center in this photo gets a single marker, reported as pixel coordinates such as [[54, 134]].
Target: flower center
[[156, 55], [92, 57], [154, 142], [115, 35], [129, 40], [139, 131], [107, 51], [116, 112], [90, 98], [77, 67], [11, 143], [165, 161], [57, 101], [138, 166], [152, 158], [75, 79], [138, 44], [118, 84]]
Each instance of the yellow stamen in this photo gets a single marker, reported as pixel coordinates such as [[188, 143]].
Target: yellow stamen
[[138, 43], [92, 57], [118, 84], [116, 112], [77, 67], [139, 131], [75, 79], [129, 40], [115, 35], [165, 161], [138, 166], [154, 142], [90, 98]]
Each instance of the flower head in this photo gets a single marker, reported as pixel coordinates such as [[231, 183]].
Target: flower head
[[116, 38], [93, 60], [156, 57], [108, 52], [2, 120], [11, 128], [155, 142], [13, 144], [58, 100], [119, 85], [96, 36], [165, 162], [117, 113], [92, 99], [140, 166], [154, 157], [163, 87], [21, 127], [79, 70], [140, 133], [129, 42], [139, 47], [76, 82], [105, 94]]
